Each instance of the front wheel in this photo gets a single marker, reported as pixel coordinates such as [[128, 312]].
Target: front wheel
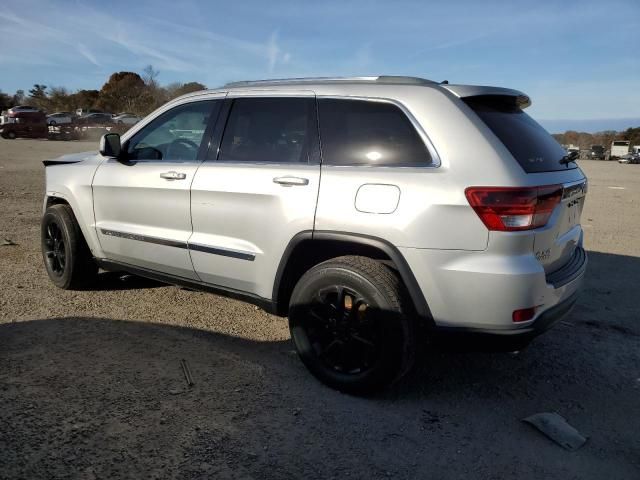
[[67, 257], [350, 324]]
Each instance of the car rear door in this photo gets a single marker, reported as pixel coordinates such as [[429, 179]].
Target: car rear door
[[257, 191], [142, 203]]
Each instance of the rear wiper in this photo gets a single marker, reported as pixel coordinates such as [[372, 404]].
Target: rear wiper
[[569, 157]]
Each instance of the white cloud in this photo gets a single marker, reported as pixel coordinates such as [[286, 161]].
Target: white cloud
[[86, 53]]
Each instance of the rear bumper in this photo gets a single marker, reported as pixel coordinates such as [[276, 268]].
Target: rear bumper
[[477, 292], [505, 340]]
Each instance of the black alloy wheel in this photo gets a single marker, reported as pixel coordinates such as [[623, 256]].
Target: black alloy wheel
[[55, 252]]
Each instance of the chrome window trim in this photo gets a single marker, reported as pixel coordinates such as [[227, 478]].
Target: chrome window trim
[[435, 158]]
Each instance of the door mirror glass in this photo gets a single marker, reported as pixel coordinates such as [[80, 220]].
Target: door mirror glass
[[110, 145]]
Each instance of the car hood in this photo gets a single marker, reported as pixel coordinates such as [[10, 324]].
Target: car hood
[[73, 158]]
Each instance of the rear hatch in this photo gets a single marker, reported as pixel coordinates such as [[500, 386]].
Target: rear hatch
[[539, 154]]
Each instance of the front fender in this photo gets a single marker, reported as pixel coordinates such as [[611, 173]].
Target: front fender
[[71, 183]]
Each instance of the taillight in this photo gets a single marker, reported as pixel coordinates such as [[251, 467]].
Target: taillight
[[510, 209]]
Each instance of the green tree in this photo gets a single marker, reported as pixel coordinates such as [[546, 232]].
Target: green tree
[[38, 96]]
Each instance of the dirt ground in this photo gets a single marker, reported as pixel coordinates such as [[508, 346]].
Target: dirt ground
[[91, 385]]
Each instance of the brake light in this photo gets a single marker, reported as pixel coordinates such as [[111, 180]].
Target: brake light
[[510, 209]]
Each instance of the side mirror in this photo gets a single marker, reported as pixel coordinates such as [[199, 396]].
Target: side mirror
[[110, 145]]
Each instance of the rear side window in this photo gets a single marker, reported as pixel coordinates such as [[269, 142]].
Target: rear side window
[[275, 130], [360, 132], [530, 144]]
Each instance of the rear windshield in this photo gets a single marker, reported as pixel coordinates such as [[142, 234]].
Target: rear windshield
[[530, 144]]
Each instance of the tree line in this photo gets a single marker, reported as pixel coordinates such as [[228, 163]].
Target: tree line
[[122, 92], [584, 140], [141, 94]]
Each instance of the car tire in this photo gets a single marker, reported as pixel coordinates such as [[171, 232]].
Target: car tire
[[66, 255], [351, 325], [11, 135], [52, 122]]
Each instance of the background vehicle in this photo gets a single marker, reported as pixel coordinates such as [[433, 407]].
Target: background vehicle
[[630, 157], [597, 152], [22, 108], [619, 148], [59, 118], [95, 119], [126, 119], [80, 112], [390, 226], [25, 123]]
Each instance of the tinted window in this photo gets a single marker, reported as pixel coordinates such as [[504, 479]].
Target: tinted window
[[174, 135], [269, 130], [530, 144], [358, 132]]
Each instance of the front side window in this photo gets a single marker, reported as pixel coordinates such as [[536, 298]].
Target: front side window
[[278, 130], [175, 135], [360, 132]]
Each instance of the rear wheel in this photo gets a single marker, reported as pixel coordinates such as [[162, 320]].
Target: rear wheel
[[350, 325], [67, 257], [11, 135]]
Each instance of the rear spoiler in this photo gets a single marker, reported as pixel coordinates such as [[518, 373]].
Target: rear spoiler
[[465, 91]]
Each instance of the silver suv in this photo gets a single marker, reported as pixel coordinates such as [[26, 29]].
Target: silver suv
[[361, 208]]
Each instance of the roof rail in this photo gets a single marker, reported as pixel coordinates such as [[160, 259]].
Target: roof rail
[[383, 79]]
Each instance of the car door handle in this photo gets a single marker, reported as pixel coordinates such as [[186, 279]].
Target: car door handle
[[173, 175], [291, 181]]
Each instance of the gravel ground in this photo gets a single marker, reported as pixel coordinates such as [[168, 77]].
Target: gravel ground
[[91, 384]]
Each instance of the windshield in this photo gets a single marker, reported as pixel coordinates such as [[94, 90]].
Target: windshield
[[530, 144]]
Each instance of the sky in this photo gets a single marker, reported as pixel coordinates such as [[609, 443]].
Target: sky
[[579, 61]]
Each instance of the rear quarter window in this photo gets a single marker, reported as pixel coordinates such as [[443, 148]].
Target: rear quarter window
[[530, 144], [362, 132]]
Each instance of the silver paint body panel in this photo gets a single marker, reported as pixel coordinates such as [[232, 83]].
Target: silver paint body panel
[[469, 277]]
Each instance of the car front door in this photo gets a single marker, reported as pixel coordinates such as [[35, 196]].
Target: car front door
[[142, 201], [255, 192]]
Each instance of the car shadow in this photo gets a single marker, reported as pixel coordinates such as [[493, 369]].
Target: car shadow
[[109, 398], [112, 281]]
